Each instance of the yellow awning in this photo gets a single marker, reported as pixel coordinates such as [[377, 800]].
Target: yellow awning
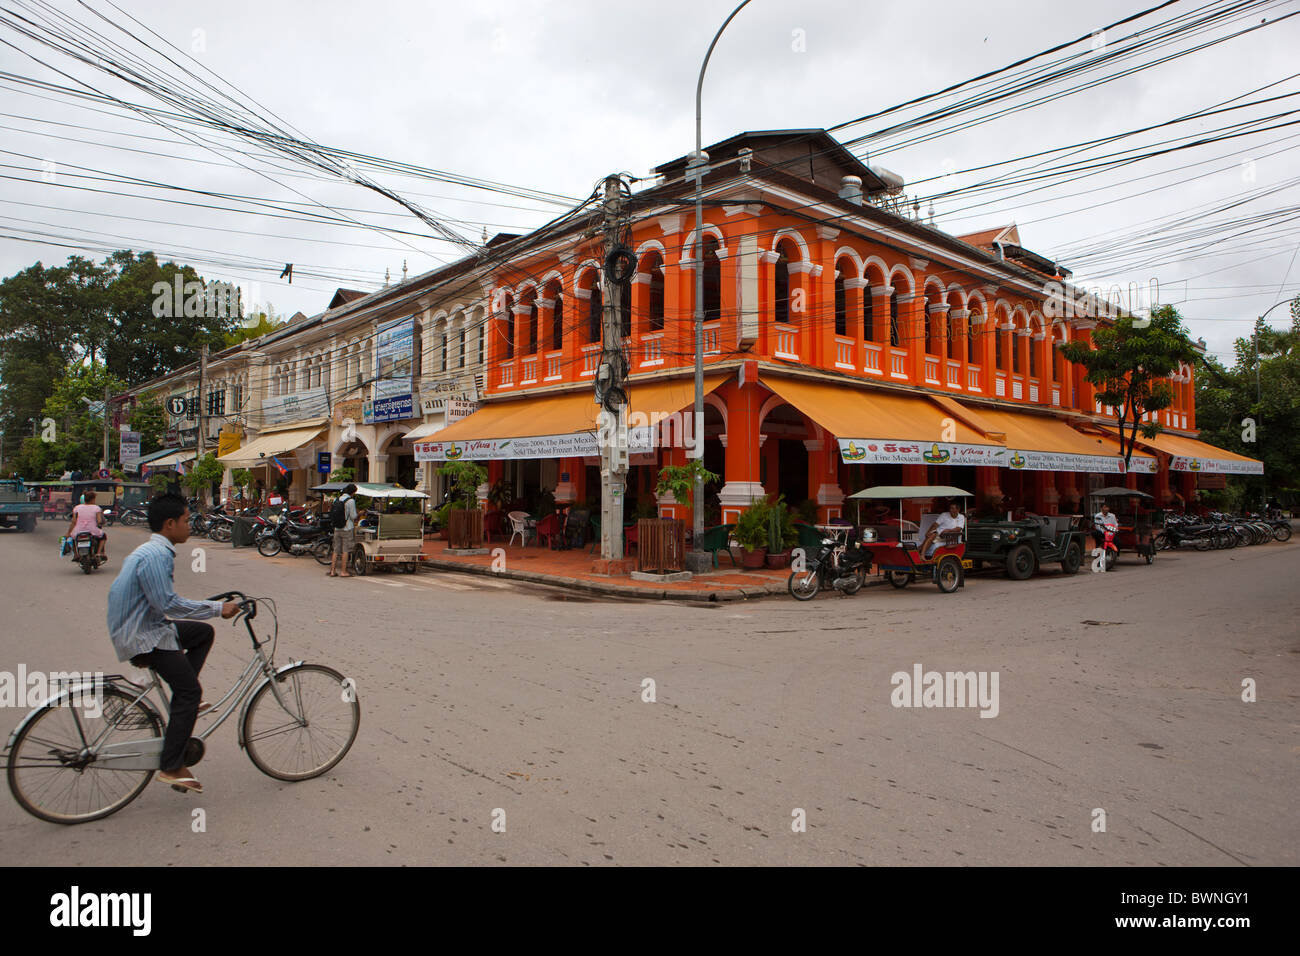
[[1191, 454], [277, 443], [1044, 443], [571, 412], [847, 411], [558, 426]]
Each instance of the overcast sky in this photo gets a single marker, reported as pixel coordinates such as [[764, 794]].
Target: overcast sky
[[555, 96]]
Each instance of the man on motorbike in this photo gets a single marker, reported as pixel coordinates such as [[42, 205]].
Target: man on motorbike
[[1103, 519], [88, 517]]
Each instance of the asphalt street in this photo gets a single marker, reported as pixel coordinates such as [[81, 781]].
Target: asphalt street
[[485, 700]]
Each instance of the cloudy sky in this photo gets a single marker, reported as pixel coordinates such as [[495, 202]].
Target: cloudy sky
[[552, 97]]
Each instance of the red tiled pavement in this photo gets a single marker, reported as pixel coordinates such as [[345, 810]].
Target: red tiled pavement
[[576, 569]]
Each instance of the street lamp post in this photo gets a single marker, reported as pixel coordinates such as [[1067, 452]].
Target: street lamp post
[[695, 169]]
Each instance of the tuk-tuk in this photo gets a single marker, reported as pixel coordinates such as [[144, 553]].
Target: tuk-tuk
[[391, 539], [1137, 527], [56, 499], [896, 549]]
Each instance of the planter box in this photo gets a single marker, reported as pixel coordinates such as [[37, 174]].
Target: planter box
[[752, 559], [779, 560], [465, 528], [661, 545]]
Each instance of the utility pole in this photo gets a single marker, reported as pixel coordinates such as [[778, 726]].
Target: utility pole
[[199, 446], [611, 378], [105, 465]]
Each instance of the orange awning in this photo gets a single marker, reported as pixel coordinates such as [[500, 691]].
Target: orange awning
[[1191, 454], [875, 426], [1044, 443], [557, 426]]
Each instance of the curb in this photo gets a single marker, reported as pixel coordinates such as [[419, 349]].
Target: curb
[[739, 593]]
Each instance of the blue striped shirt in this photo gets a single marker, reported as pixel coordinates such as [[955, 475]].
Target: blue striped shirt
[[143, 595]]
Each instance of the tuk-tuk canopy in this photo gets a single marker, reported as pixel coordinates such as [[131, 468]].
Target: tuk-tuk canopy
[[911, 491], [369, 489], [1116, 491]]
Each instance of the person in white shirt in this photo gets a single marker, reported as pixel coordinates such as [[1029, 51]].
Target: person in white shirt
[[953, 521], [1103, 518]]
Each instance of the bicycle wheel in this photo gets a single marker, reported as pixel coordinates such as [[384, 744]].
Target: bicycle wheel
[[304, 729], [323, 551], [53, 778]]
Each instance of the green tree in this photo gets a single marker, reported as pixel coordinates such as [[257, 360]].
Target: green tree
[[1129, 366], [78, 426], [206, 471], [150, 420], [266, 322], [1233, 407]]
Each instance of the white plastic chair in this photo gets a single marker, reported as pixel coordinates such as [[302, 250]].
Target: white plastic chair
[[519, 522]]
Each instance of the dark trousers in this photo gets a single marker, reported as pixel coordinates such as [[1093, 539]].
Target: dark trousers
[[180, 669]]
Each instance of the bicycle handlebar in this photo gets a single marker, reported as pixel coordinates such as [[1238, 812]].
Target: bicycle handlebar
[[246, 604]]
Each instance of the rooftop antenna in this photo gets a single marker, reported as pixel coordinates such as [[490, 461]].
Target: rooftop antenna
[[404, 261], [385, 278]]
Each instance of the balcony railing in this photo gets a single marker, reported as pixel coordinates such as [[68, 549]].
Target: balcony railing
[[932, 369], [652, 349], [871, 358], [954, 374], [529, 364], [973, 378], [553, 363], [844, 354], [507, 378], [1000, 385], [711, 339], [787, 342], [1033, 391], [1017, 388], [590, 358], [897, 363], [1056, 395]]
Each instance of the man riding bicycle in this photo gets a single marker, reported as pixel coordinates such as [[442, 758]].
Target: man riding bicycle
[[138, 603]]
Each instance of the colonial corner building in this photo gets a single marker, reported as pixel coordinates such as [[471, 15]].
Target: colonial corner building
[[846, 344]]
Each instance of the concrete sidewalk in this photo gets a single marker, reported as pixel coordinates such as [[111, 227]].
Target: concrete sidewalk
[[576, 569]]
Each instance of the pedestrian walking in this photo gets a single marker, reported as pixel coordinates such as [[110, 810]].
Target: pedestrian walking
[[343, 518]]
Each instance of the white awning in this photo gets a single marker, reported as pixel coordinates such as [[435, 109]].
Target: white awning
[[172, 460], [263, 447], [424, 431]]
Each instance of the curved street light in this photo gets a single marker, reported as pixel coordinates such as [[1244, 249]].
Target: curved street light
[[1259, 397], [695, 167]]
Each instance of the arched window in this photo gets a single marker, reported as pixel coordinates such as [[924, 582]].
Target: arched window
[[595, 310], [557, 321], [999, 344], [1033, 356], [929, 331], [893, 319], [841, 306], [655, 267], [532, 326], [868, 315], [712, 281], [510, 327], [781, 305], [1015, 351], [972, 333], [625, 306], [1057, 361], [954, 329], [444, 351], [461, 350]]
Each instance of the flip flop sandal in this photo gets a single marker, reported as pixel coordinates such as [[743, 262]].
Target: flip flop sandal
[[179, 784], [204, 707]]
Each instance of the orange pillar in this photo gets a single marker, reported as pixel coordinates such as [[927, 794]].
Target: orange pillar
[[741, 471]]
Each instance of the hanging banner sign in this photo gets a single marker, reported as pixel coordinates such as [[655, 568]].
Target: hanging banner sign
[[393, 352], [575, 445], [129, 450], [392, 409], [876, 451], [309, 403], [1217, 466]]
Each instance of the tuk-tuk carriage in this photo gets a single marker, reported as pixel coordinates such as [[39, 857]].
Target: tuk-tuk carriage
[[896, 550], [1137, 527], [391, 539], [56, 499]]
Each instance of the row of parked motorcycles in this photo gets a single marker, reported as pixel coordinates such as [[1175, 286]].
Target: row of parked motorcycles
[[293, 531], [1217, 531]]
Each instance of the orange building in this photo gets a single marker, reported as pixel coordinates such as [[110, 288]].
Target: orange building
[[847, 344]]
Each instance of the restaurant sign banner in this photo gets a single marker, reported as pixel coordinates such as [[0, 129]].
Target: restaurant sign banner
[[574, 445], [1217, 466], [878, 451]]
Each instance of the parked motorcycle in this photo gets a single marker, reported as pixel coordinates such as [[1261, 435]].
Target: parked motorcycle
[[838, 565], [84, 553], [132, 516], [287, 535]]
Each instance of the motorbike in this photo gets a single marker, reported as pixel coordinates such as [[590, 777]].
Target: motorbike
[[288, 535], [1109, 548], [84, 553], [838, 565], [132, 516]]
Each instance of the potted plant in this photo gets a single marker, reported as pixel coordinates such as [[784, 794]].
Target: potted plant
[[781, 532], [752, 533], [679, 480]]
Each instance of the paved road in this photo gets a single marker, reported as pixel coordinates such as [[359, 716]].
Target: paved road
[[1120, 692]]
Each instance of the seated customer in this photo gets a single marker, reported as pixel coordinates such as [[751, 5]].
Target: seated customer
[[950, 525]]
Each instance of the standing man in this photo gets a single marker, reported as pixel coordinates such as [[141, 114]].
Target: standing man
[[138, 603], [343, 516]]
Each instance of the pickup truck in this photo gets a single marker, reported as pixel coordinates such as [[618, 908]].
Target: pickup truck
[[15, 508]]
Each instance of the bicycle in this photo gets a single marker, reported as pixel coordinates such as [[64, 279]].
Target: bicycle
[[64, 766]]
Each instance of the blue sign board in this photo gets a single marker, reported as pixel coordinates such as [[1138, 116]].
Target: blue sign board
[[392, 409], [323, 462]]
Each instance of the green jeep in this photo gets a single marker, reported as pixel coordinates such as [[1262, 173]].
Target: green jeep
[[1024, 546], [16, 509]]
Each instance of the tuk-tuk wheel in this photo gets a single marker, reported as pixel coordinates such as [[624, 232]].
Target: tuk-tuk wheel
[[947, 574], [899, 579]]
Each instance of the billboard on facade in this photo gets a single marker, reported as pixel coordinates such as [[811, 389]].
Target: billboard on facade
[[394, 353], [308, 403], [879, 450], [574, 445]]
